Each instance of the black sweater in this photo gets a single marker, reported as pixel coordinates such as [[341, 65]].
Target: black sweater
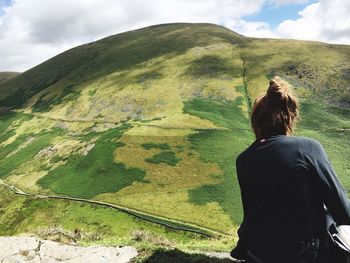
[[284, 181]]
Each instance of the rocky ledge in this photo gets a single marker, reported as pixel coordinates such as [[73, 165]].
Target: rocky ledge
[[34, 250]]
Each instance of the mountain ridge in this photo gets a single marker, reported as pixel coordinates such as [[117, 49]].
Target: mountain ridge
[[32, 77]]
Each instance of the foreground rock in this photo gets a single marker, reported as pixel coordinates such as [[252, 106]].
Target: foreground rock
[[33, 250]]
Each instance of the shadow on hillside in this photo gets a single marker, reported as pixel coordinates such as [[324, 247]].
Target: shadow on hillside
[[121, 52], [212, 66], [176, 256]]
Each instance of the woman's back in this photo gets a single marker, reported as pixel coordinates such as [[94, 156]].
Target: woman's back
[[285, 182], [282, 196]]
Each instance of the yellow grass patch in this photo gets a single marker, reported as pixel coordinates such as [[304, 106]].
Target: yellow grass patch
[[27, 174], [188, 173], [148, 131], [156, 88], [175, 205], [65, 146], [257, 87], [28, 179], [165, 186], [35, 125], [184, 121]]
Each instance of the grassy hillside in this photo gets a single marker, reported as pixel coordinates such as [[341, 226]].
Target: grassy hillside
[[7, 75], [153, 119], [66, 222]]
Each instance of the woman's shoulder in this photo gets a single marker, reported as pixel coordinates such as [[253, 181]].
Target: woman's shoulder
[[306, 145], [305, 141], [297, 142]]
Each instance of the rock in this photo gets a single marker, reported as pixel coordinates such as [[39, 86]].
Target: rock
[[85, 150], [47, 152], [14, 248], [61, 125], [32, 250]]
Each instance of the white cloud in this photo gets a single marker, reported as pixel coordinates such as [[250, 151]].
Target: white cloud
[[308, 26], [327, 20], [32, 31], [250, 29]]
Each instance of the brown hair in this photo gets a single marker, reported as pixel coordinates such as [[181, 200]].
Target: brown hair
[[274, 112]]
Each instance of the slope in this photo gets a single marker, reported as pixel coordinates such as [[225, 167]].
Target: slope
[[153, 119], [7, 75]]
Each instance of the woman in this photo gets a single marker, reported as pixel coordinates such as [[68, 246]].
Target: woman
[[285, 182]]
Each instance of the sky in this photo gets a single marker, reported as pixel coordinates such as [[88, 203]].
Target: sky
[[32, 31]]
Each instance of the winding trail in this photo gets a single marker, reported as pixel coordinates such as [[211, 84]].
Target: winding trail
[[245, 85], [247, 98], [163, 221]]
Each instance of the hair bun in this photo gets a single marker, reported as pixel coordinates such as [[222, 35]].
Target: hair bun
[[275, 111], [278, 91]]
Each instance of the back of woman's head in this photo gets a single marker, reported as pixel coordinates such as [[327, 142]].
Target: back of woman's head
[[274, 112]]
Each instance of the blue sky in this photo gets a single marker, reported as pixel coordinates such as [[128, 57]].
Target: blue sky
[[32, 31], [4, 3], [275, 14]]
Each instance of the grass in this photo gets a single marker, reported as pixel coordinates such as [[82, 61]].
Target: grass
[[71, 66], [69, 93], [319, 67], [162, 146], [164, 191], [177, 205], [167, 157], [8, 75], [220, 147], [7, 121], [317, 116], [150, 84], [10, 163], [96, 225], [210, 66], [95, 173], [330, 126], [337, 147], [223, 114]]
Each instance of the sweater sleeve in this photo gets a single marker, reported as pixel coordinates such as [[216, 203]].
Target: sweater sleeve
[[333, 194]]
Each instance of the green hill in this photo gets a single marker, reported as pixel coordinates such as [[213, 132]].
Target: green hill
[[153, 119], [7, 75]]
